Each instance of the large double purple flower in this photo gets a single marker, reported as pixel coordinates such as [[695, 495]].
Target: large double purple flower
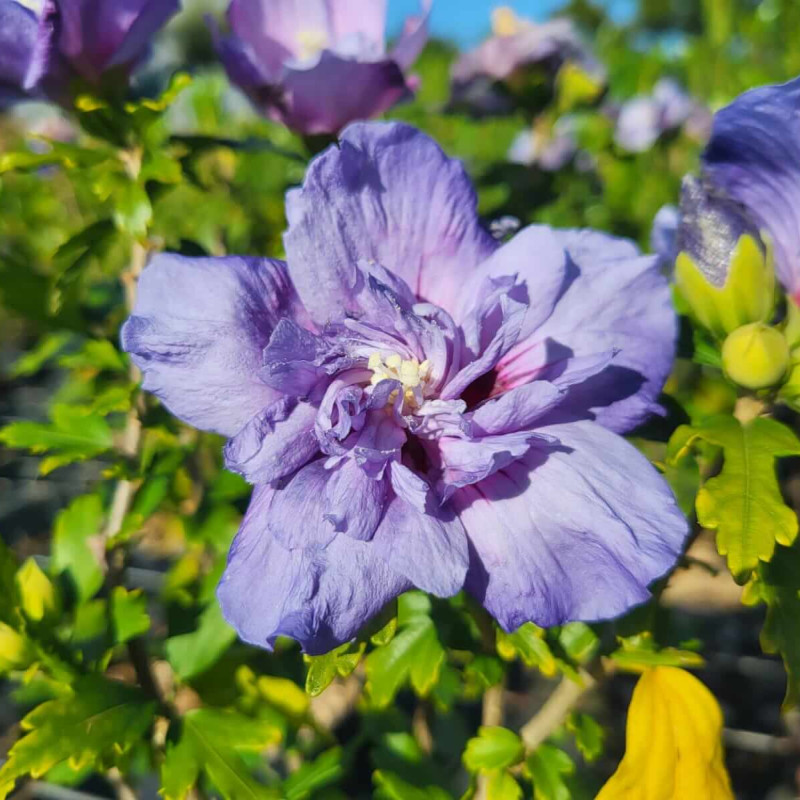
[[316, 65], [47, 50], [418, 405]]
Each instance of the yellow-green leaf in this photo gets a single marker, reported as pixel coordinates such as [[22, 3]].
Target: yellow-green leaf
[[36, 591], [101, 718], [674, 742], [744, 503]]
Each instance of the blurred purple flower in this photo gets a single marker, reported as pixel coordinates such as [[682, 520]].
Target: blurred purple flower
[[547, 148], [664, 235], [642, 120], [316, 65], [753, 160], [44, 52], [517, 44], [418, 404]]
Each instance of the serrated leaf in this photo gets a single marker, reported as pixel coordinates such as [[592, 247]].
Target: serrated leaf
[[529, 644], [74, 434], [744, 503], [673, 742], [72, 556], [323, 771], [778, 585], [389, 786], [547, 766], [129, 614], [415, 654], [132, 209], [493, 748], [211, 741], [101, 718], [322, 670], [589, 735], [193, 653], [640, 652]]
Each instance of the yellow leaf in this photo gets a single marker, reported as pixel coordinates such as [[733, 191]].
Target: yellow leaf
[[674, 742], [37, 593]]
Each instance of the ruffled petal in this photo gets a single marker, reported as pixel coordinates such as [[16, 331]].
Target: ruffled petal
[[618, 303], [352, 18], [320, 597], [754, 157], [430, 548], [572, 532], [275, 442], [360, 202], [197, 333]]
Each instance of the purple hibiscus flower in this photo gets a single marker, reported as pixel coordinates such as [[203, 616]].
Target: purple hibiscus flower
[[753, 160], [642, 120], [418, 405], [517, 44], [45, 51], [316, 65]]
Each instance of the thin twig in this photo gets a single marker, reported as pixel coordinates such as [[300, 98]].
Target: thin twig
[[555, 710]]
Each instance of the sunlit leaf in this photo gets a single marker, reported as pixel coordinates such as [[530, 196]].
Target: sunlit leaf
[[548, 766], [129, 613], [744, 503], [72, 554], [100, 718], [193, 653], [493, 748]]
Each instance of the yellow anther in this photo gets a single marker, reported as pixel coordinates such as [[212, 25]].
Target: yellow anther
[[505, 22], [311, 42], [375, 361], [394, 362], [408, 372]]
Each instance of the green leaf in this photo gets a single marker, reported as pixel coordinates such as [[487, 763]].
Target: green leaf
[[744, 503], [589, 735], [323, 669], [132, 209], [73, 434], [193, 653], [9, 589], [48, 347], [389, 786], [129, 614], [640, 651], [38, 596], [529, 644], [323, 771], [96, 355], [414, 654], [100, 719], [212, 741], [547, 766], [76, 254], [493, 748], [502, 786], [72, 555], [778, 585]]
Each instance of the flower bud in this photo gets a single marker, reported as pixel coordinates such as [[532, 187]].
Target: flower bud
[[723, 270], [756, 356]]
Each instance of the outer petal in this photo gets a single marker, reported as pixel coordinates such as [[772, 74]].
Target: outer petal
[[366, 18], [616, 301], [99, 34], [362, 202], [198, 330], [321, 598], [430, 549], [638, 125], [754, 157], [576, 532], [412, 40], [25, 43], [336, 91]]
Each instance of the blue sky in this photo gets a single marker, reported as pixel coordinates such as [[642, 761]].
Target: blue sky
[[467, 21]]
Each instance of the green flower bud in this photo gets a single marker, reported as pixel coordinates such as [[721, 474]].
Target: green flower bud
[[756, 356], [723, 271]]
